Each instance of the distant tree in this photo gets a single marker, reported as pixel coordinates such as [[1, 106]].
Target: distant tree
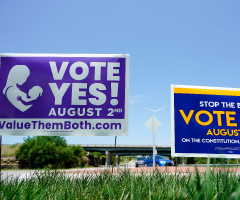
[[201, 160], [48, 151], [189, 160], [96, 157]]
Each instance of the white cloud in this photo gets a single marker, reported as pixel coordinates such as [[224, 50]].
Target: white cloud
[[135, 99]]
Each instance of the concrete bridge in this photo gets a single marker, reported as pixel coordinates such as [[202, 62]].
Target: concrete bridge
[[125, 150]]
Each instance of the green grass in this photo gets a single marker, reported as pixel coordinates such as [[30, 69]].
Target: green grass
[[124, 185]]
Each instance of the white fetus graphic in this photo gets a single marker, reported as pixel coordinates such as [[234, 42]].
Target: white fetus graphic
[[17, 76]]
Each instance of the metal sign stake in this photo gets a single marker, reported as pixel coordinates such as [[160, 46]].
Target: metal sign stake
[[114, 155], [0, 158]]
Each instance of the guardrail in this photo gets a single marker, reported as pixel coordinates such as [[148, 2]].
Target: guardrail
[[108, 145]]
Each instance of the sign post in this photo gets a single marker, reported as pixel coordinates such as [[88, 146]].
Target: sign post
[[153, 124], [114, 154], [0, 158], [205, 121]]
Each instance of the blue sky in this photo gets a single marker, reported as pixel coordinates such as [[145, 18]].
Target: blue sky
[[170, 42]]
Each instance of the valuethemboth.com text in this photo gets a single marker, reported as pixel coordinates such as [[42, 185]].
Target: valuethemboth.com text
[[66, 125]]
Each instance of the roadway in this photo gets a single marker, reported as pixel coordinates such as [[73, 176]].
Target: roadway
[[185, 169], [77, 173], [28, 173]]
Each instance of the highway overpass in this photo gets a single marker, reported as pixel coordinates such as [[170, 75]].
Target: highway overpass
[[125, 150]]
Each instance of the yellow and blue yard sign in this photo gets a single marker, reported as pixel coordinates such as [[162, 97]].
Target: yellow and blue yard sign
[[205, 121]]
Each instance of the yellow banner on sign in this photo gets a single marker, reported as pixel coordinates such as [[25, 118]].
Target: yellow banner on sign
[[206, 91]]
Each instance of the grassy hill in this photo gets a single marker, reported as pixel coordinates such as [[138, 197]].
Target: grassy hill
[[9, 150]]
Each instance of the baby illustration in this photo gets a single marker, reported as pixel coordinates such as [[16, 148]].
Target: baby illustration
[[17, 76], [33, 94]]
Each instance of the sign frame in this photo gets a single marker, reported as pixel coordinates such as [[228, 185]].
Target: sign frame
[[173, 141], [124, 120]]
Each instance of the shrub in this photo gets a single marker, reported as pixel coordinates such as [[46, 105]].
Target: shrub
[[48, 152]]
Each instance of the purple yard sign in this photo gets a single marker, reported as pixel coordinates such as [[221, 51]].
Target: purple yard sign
[[64, 94]]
